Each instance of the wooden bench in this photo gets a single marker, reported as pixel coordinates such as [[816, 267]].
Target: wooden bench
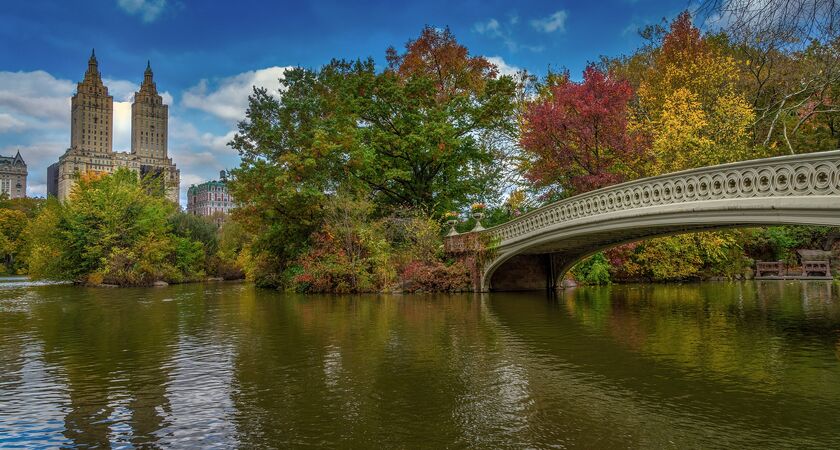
[[769, 268], [818, 268]]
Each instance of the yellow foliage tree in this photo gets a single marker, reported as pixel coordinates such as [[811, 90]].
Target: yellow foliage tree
[[688, 102], [690, 105]]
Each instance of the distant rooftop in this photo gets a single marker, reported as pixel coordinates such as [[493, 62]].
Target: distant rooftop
[[16, 160]]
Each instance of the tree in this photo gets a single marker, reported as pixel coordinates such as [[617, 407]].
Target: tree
[[12, 224], [689, 103], [578, 135], [422, 119], [692, 104], [113, 229], [790, 61], [291, 156], [409, 136], [196, 228], [777, 21]]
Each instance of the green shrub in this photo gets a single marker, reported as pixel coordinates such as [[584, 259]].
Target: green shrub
[[593, 270]]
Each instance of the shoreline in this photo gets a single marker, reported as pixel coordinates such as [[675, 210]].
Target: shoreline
[[24, 281]]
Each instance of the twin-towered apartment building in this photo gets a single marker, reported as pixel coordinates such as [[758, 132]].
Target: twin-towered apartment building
[[91, 146], [91, 136]]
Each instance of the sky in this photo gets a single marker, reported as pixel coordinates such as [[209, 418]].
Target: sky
[[207, 55]]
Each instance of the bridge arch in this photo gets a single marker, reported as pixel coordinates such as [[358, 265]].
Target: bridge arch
[[794, 190]]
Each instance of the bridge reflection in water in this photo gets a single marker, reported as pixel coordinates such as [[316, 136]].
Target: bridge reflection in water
[[535, 250]]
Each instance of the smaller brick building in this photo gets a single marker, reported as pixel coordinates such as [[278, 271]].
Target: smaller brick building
[[210, 199]]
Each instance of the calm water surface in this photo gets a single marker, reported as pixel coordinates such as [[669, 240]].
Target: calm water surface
[[229, 365]]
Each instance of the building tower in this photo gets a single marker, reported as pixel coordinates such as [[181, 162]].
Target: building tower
[[92, 113], [149, 119]]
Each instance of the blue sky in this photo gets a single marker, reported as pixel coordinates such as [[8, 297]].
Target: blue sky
[[206, 55]]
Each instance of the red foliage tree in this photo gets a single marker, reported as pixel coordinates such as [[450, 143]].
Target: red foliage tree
[[684, 40], [577, 135]]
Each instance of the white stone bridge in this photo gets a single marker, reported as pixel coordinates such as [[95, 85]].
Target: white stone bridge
[[535, 250]]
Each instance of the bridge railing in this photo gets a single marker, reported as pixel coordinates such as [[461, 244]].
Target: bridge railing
[[806, 175]]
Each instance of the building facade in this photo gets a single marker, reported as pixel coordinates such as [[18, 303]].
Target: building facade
[[13, 176], [210, 199], [91, 136]]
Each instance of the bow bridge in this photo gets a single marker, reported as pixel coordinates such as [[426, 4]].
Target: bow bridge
[[535, 250]]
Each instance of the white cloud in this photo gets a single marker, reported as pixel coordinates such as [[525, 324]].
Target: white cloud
[[121, 90], [199, 154], [36, 190], [503, 67], [9, 123], [35, 119], [494, 29], [490, 27], [148, 10], [228, 99], [188, 179], [35, 100], [187, 134], [552, 23]]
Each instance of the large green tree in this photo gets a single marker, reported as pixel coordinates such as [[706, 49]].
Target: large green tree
[[421, 120], [291, 157], [407, 136]]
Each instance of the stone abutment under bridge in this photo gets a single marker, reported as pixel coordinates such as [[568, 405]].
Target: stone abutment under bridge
[[535, 250]]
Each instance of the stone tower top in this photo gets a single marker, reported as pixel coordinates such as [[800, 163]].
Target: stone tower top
[[92, 84], [148, 90]]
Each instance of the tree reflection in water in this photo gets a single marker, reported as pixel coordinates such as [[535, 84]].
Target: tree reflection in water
[[711, 364]]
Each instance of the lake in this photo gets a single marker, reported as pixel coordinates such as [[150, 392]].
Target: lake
[[752, 364]]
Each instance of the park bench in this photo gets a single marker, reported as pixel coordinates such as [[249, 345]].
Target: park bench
[[769, 268], [817, 268]]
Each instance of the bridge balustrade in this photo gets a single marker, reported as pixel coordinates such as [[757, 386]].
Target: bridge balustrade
[[803, 175]]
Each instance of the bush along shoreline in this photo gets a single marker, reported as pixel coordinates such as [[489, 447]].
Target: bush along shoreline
[[118, 229]]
